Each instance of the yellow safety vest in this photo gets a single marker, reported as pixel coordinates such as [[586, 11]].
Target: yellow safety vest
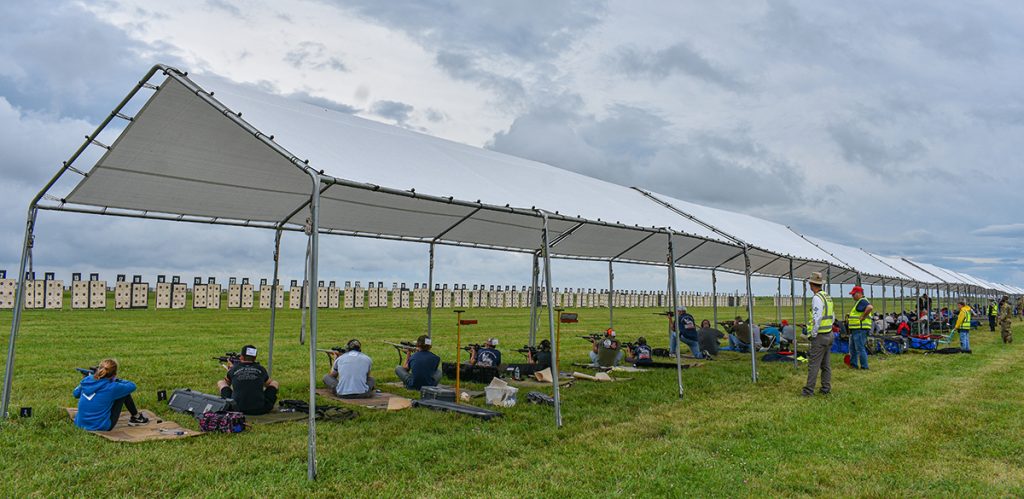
[[828, 314], [993, 310], [967, 320], [853, 319]]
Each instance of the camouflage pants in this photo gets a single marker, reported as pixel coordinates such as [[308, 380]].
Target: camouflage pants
[[1005, 331]]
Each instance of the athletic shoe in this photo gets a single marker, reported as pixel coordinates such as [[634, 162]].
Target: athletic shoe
[[138, 419]]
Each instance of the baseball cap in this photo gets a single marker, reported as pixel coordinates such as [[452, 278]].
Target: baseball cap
[[856, 289]]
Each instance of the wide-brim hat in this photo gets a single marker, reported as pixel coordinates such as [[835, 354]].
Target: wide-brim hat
[[816, 279]]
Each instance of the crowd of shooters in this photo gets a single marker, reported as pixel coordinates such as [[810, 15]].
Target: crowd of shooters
[[103, 396]]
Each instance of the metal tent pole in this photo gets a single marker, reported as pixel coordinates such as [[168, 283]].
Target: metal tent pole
[[611, 295], [314, 244], [273, 301], [304, 293], [828, 278], [714, 298], [551, 320], [534, 299], [804, 302], [883, 299], [19, 304], [750, 316], [778, 302], [792, 305], [430, 294], [675, 306], [903, 305]]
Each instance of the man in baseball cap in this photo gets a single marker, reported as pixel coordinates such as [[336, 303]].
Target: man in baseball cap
[[858, 323], [249, 384]]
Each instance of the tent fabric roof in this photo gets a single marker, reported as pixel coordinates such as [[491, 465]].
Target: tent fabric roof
[[206, 148], [182, 155], [767, 236], [873, 271]]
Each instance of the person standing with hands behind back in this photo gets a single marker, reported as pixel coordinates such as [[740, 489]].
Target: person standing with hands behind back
[[859, 324], [820, 333]]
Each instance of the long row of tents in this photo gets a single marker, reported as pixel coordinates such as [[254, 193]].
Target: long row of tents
[[205, 150]]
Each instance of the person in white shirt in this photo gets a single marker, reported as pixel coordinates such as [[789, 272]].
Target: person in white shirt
[[820, 333], [350, 374]]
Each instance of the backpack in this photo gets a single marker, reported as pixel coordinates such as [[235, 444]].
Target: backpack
[[222, 422]]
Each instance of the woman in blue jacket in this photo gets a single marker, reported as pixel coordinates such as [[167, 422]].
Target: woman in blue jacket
[[101, 396]]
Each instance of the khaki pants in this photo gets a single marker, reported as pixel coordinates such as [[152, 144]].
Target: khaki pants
[[820, 358]]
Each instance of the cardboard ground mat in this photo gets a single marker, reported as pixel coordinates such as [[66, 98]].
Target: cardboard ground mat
[[380, 400], [532, 383], [156, 429], [276, 417], [601, 376], [471, 393]]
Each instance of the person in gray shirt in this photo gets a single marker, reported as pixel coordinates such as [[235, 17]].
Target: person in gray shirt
[[350, 375]]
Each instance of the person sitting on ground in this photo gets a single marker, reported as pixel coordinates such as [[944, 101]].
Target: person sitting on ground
[[488, 356], [641, 353], [788, 333], [101, 397], [687, 327], [542, 359], [421, 368], [771, 335], [350, 373], [606, 351], [249, 384], [878, 325], [708, 338], [739, 339], [890, 321]]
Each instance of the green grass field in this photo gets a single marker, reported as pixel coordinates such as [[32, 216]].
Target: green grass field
[[914, 425]]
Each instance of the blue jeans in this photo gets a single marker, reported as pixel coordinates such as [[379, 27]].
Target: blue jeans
[[965, 339], [694, 346], [858, 349], [673, 343], [738, 345]]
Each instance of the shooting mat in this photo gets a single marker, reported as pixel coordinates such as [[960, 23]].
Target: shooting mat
[[380, 400], [157, 429]]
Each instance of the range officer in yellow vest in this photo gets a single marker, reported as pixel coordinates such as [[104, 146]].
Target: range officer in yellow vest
[[963, 326], [993, 312], [858, 323], [820, 333]]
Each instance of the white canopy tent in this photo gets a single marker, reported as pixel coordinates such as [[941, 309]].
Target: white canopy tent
[[205, 150], [189, 156]]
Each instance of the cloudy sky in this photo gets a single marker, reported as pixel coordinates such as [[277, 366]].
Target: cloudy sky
[[893, 126]]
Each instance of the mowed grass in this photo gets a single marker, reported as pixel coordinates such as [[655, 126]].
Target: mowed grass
[[914, 425]]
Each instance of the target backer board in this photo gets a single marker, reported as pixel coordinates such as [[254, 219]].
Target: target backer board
[[265, 293], [294, 297], [7, 289], [322, 298], [122, 294], [359, 296], [247, 295], [79, 294], [234, 294], [179, 295], [200, 295], [163, 295], [333, 296], [213, 292]]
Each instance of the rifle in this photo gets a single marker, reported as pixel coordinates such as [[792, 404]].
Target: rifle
[[229, 358], [470, 347], [664, 314], [333, 350], [528, 350], [86, 371], [404, 346], [593, 337]]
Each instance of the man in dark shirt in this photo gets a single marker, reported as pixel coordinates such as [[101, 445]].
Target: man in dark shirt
[[249, 384], [421, 368], [488, 356], [709, 337], [641, 353], [542, 360]]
